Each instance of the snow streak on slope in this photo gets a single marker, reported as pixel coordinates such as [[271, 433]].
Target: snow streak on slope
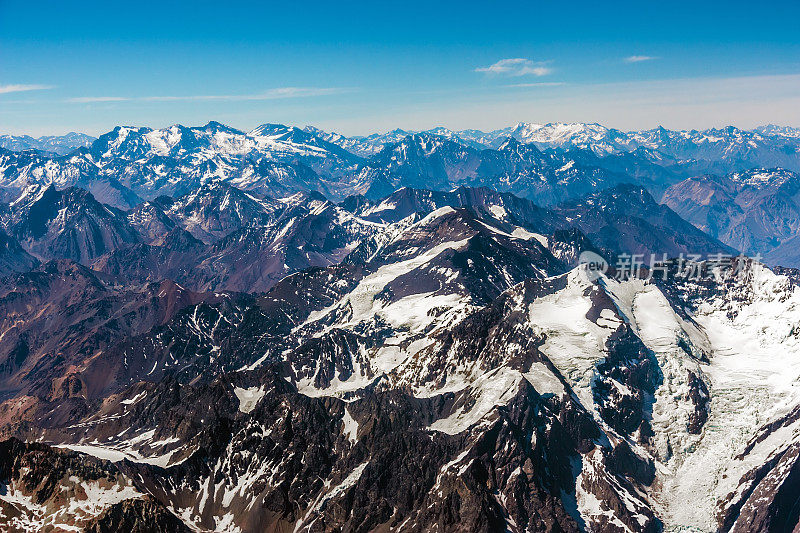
[[140, 448], [408, 316], [493, 389], [574, 343]]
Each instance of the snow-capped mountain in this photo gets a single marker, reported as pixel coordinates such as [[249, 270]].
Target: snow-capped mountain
[[58, 144], [24, 172], [586, 403], [727, 148], [362, 146], [560, 135], [714, 150], [220, 238], [779, 131], [431, 161], [129, 164], [215, 210], [272, 160], [765, 146], [547, 163]]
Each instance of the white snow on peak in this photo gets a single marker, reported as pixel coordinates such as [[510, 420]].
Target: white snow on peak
[[761, 178], [498, 211], [249, 397], [433, 215]]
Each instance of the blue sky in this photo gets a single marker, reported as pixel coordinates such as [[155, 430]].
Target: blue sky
[[360, 67]]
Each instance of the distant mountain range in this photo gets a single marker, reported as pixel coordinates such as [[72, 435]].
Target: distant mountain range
[[57, 144], [595, 137], [712, 144], [545, 163]]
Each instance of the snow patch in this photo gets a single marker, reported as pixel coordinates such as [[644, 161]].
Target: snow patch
[[249, 397]]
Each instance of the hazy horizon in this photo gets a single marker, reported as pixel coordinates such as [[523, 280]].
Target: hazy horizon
[[380, 132]]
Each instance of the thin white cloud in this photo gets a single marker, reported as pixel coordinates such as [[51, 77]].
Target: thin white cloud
[[539, 84], [19, 88], [693, 103], [516, 66], [93, 99], [638, 59], [272, 94]]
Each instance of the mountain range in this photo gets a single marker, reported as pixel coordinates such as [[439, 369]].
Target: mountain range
[[203, 329], [757, 211], [545, 163], [57, 144], [548, 164]]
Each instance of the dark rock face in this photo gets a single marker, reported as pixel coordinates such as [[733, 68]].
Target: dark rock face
[[767, 499], [46, 489], [69, 224], [626, 219], [141, 515], [172, 256], [219, 238], [216, 238], [628, 364], [40, 467], [13, 258], [405, 474], [700, 398], [87, 317], [408, 201], [770, 502]]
